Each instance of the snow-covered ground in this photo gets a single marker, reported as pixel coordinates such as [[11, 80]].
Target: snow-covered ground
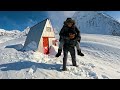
[[101, 60]]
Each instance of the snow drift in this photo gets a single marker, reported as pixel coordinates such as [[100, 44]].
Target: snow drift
[[14, 33], [101, 60]]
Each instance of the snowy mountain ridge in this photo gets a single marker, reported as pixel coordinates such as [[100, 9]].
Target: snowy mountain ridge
[[95, 22], [4, 32]]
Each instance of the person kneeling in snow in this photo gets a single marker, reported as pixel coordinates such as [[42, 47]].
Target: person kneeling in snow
[[69, 25]]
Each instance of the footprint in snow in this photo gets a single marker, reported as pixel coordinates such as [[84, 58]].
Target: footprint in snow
[[104, 77], [91, 65], [93, 75], [118, 71], [32, 69]]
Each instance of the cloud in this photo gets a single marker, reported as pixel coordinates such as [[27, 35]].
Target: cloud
[[58, 17], [30, 22], [118, 19], [62, 14], [68, 13]]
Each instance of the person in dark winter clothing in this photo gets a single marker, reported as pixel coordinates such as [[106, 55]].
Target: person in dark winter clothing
[[69, 46], [69, 25]]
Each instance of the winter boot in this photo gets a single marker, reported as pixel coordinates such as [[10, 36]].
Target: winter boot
[[64, 69], [80, 53], [59, 53], [76, 65]]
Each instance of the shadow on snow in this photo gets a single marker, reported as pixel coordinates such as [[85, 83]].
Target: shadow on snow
[[17, 46], [28, 64]]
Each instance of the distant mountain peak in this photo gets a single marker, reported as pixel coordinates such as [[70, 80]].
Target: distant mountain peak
[[14, 33], [96, 22]]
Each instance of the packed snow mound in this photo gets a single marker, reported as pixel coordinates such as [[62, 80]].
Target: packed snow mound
[[5, 38], [53, 50], [95, 22]]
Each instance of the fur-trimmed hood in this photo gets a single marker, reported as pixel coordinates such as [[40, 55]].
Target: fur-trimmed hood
[[69, 20]]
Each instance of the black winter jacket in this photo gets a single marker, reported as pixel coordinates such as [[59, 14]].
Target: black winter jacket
[[64, 33]]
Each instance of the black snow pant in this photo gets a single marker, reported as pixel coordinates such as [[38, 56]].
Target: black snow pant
[[72, 53]]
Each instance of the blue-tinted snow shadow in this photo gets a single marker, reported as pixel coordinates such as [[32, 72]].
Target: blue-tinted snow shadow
[[28, 64], [17, 46]]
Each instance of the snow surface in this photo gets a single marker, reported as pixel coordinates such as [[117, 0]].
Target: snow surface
[[101, 60]]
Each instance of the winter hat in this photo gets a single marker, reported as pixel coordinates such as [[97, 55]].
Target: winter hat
[[69, 20]]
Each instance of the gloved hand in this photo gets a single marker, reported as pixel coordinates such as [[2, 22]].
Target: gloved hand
[[71, 36], [77, 38], [66, 38]]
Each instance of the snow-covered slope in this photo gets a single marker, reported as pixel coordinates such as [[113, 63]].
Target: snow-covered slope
[[25, 32], [101, 60], [14, 32], [95, 22], [6, 35]]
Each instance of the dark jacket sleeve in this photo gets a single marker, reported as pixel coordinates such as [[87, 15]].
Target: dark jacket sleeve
[[62, 33], [78, 36]]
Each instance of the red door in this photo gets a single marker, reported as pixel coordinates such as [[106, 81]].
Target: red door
[[45, 45]]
